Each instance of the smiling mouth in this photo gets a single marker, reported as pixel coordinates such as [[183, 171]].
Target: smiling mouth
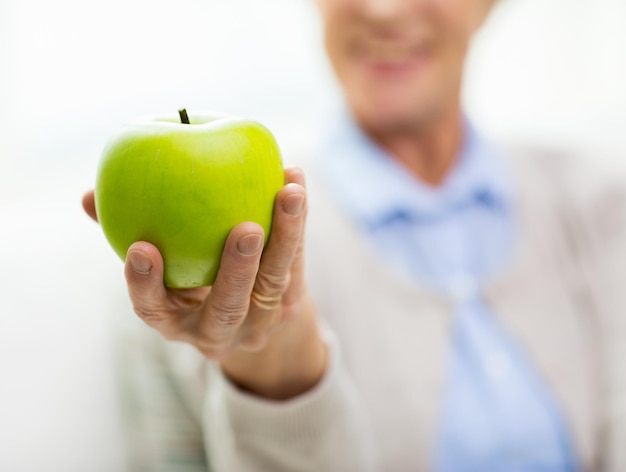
[[392, 55]]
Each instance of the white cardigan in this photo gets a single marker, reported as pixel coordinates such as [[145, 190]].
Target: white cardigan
[[564, 298]]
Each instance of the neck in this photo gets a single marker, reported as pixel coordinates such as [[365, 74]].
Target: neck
[[428, 151]]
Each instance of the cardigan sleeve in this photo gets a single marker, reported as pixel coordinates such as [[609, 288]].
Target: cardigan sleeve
[[323, 429], [162, 431], [182, 414]]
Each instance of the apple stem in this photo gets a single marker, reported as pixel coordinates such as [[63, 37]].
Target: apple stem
[[183, 116]]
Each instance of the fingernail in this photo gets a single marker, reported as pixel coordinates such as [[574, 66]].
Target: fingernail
[[249, 244], [293, 204], [140, 262]]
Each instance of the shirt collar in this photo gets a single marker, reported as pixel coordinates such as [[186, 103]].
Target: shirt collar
[[374, 187]]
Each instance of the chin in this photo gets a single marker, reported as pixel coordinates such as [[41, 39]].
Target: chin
[[385, 117], [402, 104], [393, 103]]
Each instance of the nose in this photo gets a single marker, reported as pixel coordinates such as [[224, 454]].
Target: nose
[[388, 9]]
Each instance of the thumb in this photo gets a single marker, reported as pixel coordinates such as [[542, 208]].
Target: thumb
[[89, 205]]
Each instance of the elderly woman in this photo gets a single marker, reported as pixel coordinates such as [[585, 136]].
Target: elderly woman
[[461, 307]]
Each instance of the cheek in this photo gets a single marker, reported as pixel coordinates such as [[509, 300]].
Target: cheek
[[341, 20], [458, 19], [336, 40]]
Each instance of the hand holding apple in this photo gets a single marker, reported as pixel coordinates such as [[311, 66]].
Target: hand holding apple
[[257, 318]]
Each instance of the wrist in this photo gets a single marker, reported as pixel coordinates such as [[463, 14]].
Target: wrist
[[292, 363]]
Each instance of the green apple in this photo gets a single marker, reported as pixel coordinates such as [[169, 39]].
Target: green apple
[[183, 187]]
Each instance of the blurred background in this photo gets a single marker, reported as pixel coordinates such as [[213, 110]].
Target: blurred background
[[71, 72]]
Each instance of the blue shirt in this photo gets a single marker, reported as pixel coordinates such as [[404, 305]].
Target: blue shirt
[[498, 415]]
